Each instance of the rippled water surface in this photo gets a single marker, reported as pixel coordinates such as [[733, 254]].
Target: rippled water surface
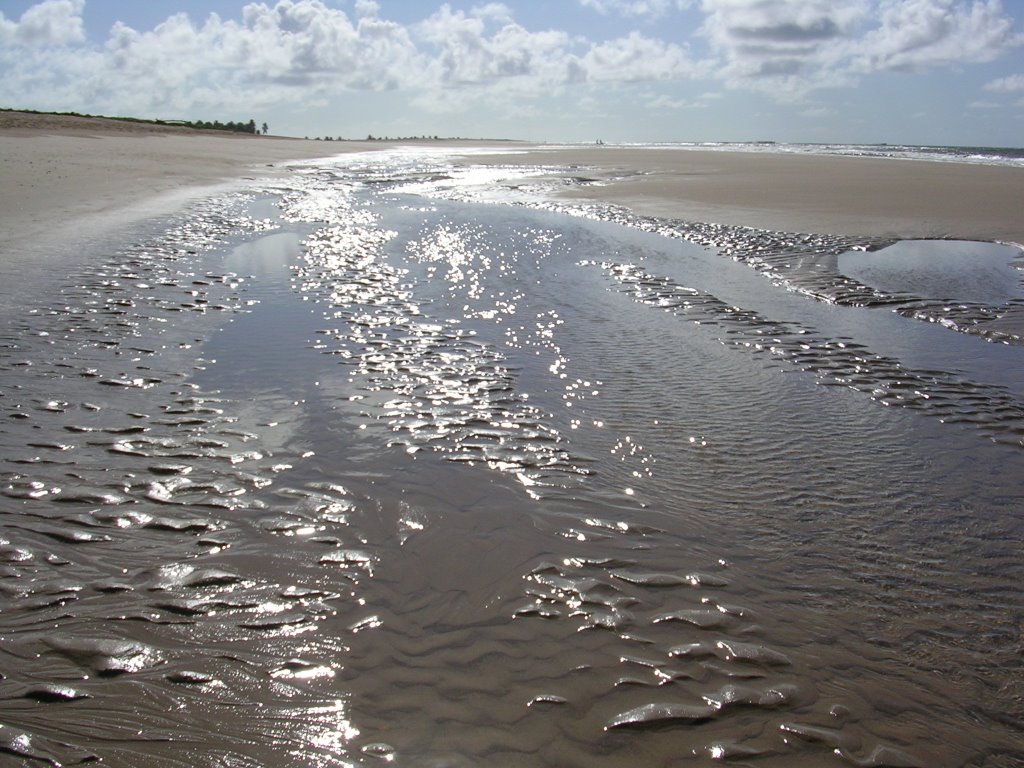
[[391, 461]]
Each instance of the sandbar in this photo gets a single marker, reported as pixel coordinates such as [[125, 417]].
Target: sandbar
[[61, 175], [840, 195]]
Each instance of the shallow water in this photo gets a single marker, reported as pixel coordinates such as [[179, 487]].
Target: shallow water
[[390, 462]]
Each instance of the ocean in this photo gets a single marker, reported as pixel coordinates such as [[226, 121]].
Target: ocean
[[1007, 156], [389, 460]]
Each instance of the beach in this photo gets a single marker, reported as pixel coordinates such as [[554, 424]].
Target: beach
[[800, 193], [488, 453], [64, 166], [102, 172]]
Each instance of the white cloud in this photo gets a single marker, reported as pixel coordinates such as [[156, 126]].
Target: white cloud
[[1009, 84], [637, 58], [53, 22], [778, 37], [667, 102], [794, 46], [306, 51], [298, 48], [922, 34], [367, 8], [487, 46], [636, 7], [307, 43]]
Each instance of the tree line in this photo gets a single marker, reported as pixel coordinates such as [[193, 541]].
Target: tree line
[[206, 125], [215, 125]]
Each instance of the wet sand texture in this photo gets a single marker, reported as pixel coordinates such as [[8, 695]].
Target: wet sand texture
[[801, 193], [318, 471], [54, 168]]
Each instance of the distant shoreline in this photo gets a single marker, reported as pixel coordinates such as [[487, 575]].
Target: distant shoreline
[[28, 121], [63, 175], [100, 172], [32, 120], [794, 192], [932, 152], [104, 172]]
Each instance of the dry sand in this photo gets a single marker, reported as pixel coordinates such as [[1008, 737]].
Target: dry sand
[[800, 193], [65, 178], [97, 173], [61, 175]]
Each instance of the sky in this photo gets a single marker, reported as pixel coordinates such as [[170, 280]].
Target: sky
[[940, 72]]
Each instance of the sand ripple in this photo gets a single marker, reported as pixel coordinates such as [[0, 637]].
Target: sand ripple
[[477, 483]]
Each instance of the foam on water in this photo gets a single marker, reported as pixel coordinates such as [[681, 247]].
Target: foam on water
[[361, 466], [1007, 156]]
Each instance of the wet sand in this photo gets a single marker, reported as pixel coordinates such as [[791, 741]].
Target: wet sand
[[103, 172], [328, 473], [798, 193], [56, 167]]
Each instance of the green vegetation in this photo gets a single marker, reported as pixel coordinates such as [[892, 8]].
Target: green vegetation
[[215, 125], [249, 127], [204, 125]]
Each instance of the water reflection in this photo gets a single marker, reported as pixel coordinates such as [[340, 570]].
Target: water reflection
[[445, 483], [952, 271]]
